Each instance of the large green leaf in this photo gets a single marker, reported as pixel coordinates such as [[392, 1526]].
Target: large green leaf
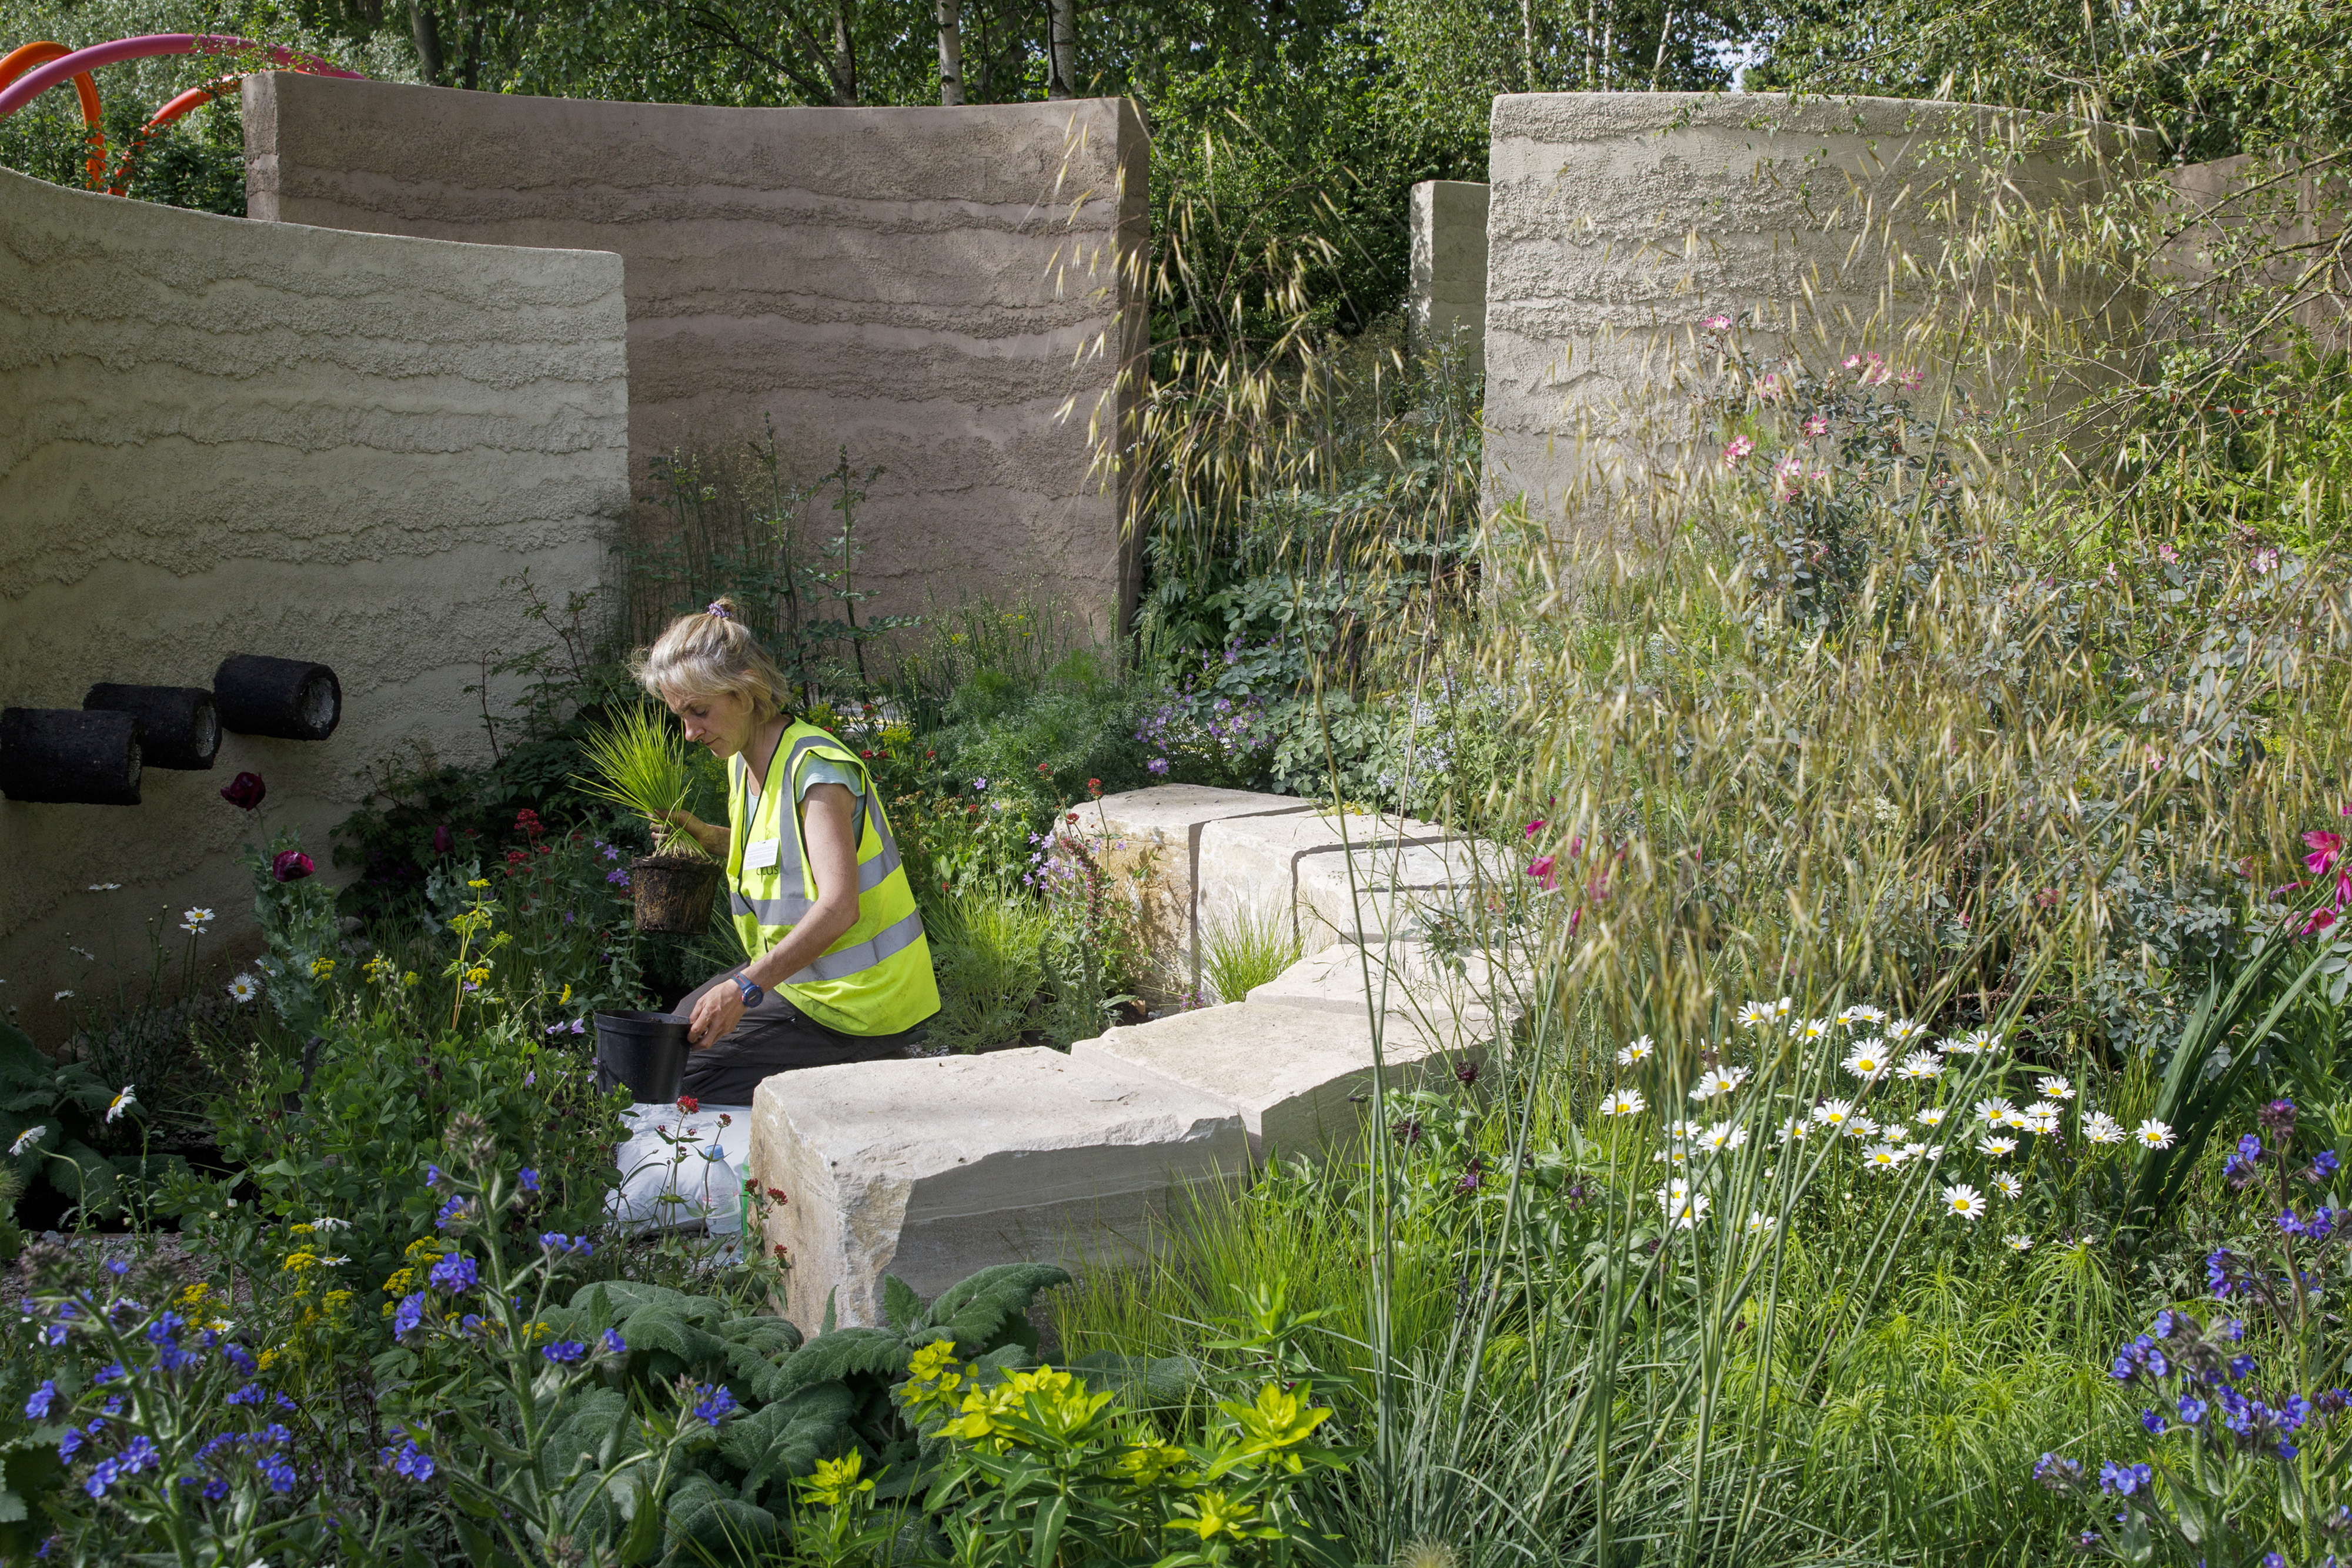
[[837, 1357], [786, 1438], [707, 1526], [665, 1327], [587, 1422], [992, 1307]]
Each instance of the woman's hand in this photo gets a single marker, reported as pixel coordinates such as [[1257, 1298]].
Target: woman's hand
[[716, 1015], [711, 837]]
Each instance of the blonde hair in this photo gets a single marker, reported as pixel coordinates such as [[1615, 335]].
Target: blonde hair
[[712, 654]]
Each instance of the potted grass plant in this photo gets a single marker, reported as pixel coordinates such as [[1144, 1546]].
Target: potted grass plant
[[640, 763]]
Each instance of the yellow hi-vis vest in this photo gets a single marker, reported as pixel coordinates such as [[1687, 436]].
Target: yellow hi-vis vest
[[877, 980]]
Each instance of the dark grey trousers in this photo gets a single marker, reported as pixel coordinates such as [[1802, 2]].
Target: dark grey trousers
[[774, 1037]]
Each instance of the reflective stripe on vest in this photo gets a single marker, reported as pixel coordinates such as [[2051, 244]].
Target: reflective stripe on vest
[[791, 908]]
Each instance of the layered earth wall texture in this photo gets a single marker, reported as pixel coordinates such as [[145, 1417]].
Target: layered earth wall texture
[[219, 436], [941, 291], [1446, 302], [1619, 223]]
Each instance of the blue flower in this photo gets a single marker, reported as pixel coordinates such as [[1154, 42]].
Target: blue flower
[[2322, 1165], [70, 1444], [166, 1325], [2241, 1366], [456, 1274], [565, 1352], [275, 1435], [248, 1395], [2192, 1409], [432, 1176], [54, 1335], [554, 1240], [276, 1472], [216, 1489], [140, 1455], [614, 1344], [2153, 1422], [240, 1358], [103, 1478], [2122, 1480], [107, 1373], [716, 1407], [116, 1267], [2273, 1560], [528, 1179], [37, 1406], [2219, 1278], [411, 1461], [408, 1314]]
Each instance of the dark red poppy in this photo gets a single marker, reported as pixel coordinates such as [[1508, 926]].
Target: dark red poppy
[[291, 865], [444, 840], [245, 791]]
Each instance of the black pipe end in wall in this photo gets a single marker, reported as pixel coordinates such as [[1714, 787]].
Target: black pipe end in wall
[[70, 756], [180, 728], [287, 698]]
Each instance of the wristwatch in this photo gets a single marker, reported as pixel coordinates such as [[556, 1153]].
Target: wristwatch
[[751, 993]]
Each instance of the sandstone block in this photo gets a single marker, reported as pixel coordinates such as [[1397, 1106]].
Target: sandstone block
[[1149, 843], [931, 1169], [1382, 891], [1424, 998], [1294, 1075], [1249, 869]]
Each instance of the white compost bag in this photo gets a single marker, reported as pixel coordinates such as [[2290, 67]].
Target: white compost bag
[[681, 1170]]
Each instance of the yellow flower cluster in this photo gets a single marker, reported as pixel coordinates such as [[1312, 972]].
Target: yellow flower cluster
[[381, 970], [836, 1482], [321, 967], [421, 1254]]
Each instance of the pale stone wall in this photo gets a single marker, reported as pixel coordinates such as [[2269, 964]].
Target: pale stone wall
[[1449, 266], [1620, 222], [938, 289], [219, 436]]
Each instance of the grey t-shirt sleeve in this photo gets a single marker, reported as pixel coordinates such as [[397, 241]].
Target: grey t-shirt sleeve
[[823, 770]]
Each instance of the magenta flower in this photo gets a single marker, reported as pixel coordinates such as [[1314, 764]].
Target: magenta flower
[[1542, 868], [1740, 447], [2324, 846], [245, 791], [1532, 829], [291, 865], [1718, 323], [444, 840], [1911, 381], [1817, 424]]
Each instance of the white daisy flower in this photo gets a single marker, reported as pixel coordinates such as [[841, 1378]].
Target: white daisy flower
[[1993, 1113], [1810, 1029], [1758, 1222], [1755, 1015], [1902, 1030], [1919, 1152], [326, 1222], [2102, 1128], [1682, 1132], [2014, 1120], [1797, 1128], [2017, 1243], [1860, 1127], [1676, 1156], [196, 922], [1884, 1158], [2041, 1119], [2153, 1134], [1996, 1148], [1920, 1066], [1966, 1202], [1641, 1050], [1717, 1080], [1684, 1208], [1723, 1136], [2007, 1186], [245, 987], [1933, 1116], [1861, 1012], [1782, 1007], [1866, 1062], [25, 1140], [2056, 1088], [122, 1101], [1834, 1112], [1623, 1103]]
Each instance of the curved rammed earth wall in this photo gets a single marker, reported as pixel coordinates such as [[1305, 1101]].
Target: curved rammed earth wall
[[221, 436], [937, 289], [1618, 223]]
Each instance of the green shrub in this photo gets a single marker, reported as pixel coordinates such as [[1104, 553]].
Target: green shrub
[[989, 950]]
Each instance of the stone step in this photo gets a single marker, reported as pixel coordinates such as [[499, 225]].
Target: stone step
[[1297, 1076], [932, 1168]]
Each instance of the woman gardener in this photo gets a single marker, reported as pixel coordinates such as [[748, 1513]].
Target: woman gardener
[[839, 971]]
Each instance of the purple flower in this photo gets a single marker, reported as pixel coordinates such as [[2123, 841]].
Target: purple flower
[[614, 1344], [70, 1444], [411, 1461], [453, 1210], [2153, 1422], [2192, 1409], [291, 865], [1156, 764], [2122, 1481], [37, 1406], [718, 1405], [454, 1275], [408, 1314], [276, 1472], [251, 1392], [240, 1358], [565, 1352], [618, 878]]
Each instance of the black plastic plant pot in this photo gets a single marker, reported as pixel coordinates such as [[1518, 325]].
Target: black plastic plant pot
[[179, 726], [67, 757], [645, 1052], [287, 698]]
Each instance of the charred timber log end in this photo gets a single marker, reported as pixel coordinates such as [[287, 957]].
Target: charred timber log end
[[70, 756], [179, 726], [287, 699]]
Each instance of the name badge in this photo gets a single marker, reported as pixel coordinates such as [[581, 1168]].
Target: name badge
[[760, 854]]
